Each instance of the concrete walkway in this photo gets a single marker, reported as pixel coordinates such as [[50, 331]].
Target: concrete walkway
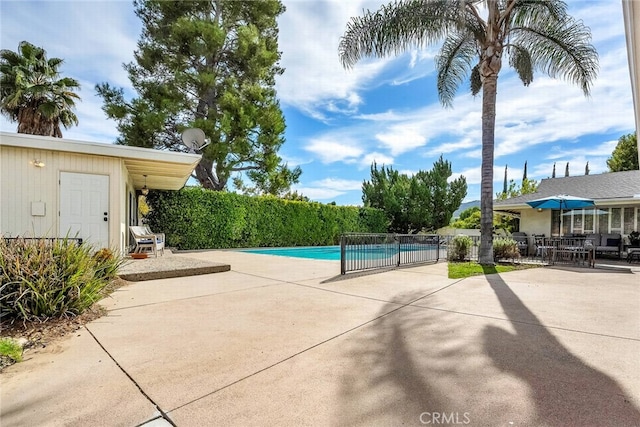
[[279, 342]]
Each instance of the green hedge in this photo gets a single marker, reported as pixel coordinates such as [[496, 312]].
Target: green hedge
[[194, 218]]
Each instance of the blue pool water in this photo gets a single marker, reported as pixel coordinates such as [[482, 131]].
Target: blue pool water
[[333, 252], [312, 252]]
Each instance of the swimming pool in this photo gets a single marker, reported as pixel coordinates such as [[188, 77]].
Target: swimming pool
[[332, 253], [310, 252]]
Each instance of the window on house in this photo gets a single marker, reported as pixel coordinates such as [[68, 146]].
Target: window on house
[[603, 221], [578, 221], [629, 220], [616, 220], [555, 223], [589, 223]]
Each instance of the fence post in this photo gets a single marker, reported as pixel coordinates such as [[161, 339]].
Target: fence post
[[397, 239], [343, 260]]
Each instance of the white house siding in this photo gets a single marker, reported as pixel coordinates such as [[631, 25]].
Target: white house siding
[[534, 222], [21, 183]]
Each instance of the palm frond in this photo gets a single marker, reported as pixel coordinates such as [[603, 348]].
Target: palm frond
[[475, 80], [68, 82], [454, 64], [527, 12], [54, 63], [520, 60], [9, 57], [559, 48], [398, 26], [48, 109], [32, 92]]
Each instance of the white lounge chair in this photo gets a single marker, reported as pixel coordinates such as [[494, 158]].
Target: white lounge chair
[[147, 240]]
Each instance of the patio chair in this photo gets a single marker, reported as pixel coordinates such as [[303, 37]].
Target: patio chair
[[543, 248], [522, 241], [145, 240]]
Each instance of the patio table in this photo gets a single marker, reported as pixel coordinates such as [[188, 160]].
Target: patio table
[[577, 254]]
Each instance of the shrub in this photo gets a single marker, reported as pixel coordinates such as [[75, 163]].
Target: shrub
[[459, 247], [505, 249], [42, 278], [106, 264], [195, 218]]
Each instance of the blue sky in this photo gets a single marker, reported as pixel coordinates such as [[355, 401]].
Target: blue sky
[[339, 121]]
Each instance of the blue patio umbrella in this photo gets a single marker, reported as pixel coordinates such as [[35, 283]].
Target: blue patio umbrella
[[561, 202]]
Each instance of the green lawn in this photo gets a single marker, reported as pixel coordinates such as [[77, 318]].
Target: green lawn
[[460, 270], [10, 348]]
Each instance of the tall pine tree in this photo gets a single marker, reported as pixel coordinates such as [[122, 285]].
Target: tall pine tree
[[424, 201], [211, 65]]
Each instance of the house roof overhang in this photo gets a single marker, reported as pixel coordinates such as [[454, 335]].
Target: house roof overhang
[[516, 208], [165, 170], [631, 16]]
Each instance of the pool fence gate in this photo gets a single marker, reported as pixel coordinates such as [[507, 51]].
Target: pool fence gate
[[367, 251]]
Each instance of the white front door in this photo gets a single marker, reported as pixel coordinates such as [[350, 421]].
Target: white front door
[[84, 208]]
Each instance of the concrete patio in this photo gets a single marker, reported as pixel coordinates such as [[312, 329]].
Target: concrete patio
[[283, 341]]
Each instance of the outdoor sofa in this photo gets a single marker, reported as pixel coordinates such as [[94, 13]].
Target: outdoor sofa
[[605, 243]]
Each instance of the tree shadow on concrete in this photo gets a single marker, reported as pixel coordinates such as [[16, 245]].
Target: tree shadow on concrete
[[396, 367], [564, 389]]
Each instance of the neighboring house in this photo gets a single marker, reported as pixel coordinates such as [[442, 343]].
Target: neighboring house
[[616, 195], [52, 187]]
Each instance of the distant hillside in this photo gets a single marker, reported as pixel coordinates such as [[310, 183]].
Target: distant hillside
[[465, 206]]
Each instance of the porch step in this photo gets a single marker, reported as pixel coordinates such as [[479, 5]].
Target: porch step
[[167, 266]]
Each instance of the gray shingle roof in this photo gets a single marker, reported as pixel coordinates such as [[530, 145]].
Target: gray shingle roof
[[606, 186]]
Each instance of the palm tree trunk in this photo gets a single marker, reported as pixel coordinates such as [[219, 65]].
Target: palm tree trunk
[[30, 121], [489, 90]]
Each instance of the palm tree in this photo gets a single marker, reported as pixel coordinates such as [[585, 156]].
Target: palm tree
[[32, 93], [535, 35]]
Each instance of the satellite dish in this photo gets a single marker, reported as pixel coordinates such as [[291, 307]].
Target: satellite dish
[[194, 139]]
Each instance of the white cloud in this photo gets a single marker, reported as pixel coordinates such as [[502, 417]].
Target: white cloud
[[314, 80], [456, 147], [293, 161], [380, 159], [474, 175], [338, 184], [330, 150], [386, 116], [420, 65], [400, 139], [604, 149], [317, 193], [328, 188]]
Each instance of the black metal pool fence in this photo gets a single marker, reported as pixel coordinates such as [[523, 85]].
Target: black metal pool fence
[[364, 251], [360, 252]]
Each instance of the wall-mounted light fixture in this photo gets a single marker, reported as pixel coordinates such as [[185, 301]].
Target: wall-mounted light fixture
[[145, 189], [539, 209], [37, 163]]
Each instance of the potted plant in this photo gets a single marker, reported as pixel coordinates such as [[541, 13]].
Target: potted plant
[[634, 238]]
